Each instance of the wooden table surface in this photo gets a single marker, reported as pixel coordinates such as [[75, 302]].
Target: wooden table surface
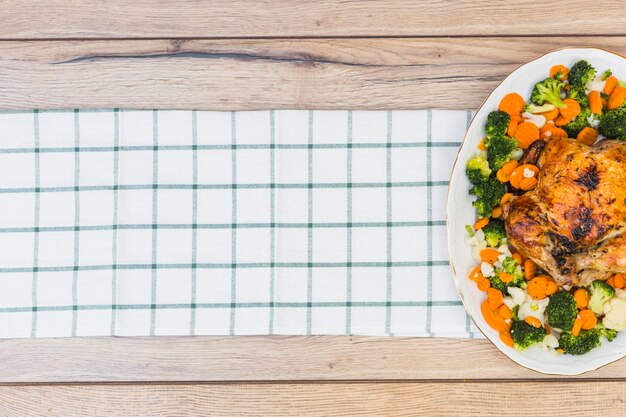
[[245, 54]]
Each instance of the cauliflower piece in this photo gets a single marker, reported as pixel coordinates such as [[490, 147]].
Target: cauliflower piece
[[517, 297], [533, 308], [504, 249], [615, 314], [595, 85], [487, 269], [517, 154], [537, 119], [549, 344], [593, 121], [479, 237]]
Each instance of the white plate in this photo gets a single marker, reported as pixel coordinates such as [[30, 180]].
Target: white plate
[[460, 213]]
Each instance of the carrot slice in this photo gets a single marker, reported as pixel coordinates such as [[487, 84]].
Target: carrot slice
[[560, 121], [496, 212], [616, 98], [504, 172], [526, 133], [550, 115], [495, 298], [509, 166], [530, 268], [489, 255], [518, 174], [505, 198], [527, 183], [616, 281], [505, 312], [581, 296], [559, 68], [492, 318], [533, 321], [619, 281], [611, 281], [512, 103], [480, 223], [476, 274], [506, 338], [505, 277], [512, 127], [517, 257], [502, 177], [571, 110], [610, 85], [588, 318], [588, 136], [578, 324], [541, 286], [557, 132], [595, 102], [483, 284]]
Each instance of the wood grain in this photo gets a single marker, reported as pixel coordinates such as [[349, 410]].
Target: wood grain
[[262, 358], [409, 399], [290, 18], [262, 74]]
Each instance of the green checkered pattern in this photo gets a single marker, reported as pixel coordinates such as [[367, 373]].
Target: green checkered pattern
[[123, 222]]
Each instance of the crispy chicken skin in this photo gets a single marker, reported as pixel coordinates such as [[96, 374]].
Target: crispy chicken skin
[[572, 223]]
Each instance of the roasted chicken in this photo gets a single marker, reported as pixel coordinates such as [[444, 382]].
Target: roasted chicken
[[573, 223]]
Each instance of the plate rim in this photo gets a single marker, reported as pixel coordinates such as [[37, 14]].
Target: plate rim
[[448, 226]]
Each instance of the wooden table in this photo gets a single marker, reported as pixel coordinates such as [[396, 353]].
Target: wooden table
[[244, 54]]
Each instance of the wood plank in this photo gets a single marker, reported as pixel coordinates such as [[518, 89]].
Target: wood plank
[[262, 358], [288, 18], [262, 74], [398, 399]]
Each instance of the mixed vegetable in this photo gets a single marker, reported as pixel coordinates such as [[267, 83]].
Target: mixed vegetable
[[523, 303]]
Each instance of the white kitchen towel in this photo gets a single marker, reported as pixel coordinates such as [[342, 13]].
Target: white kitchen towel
[[122, 222]]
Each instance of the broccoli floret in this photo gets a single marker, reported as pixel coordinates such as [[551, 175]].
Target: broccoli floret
[[548, 90], [610, 334], [613, 124], [562, 311], [488, 195], [606, 74], [533, 108], [601, 292], [498, 284], [574, 127], [497, 124], [499, 151], [515, 313], [494, 232], [477, 169], [581, 73], [581, 344], [524, 335], [579, 95], [509, 265]]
